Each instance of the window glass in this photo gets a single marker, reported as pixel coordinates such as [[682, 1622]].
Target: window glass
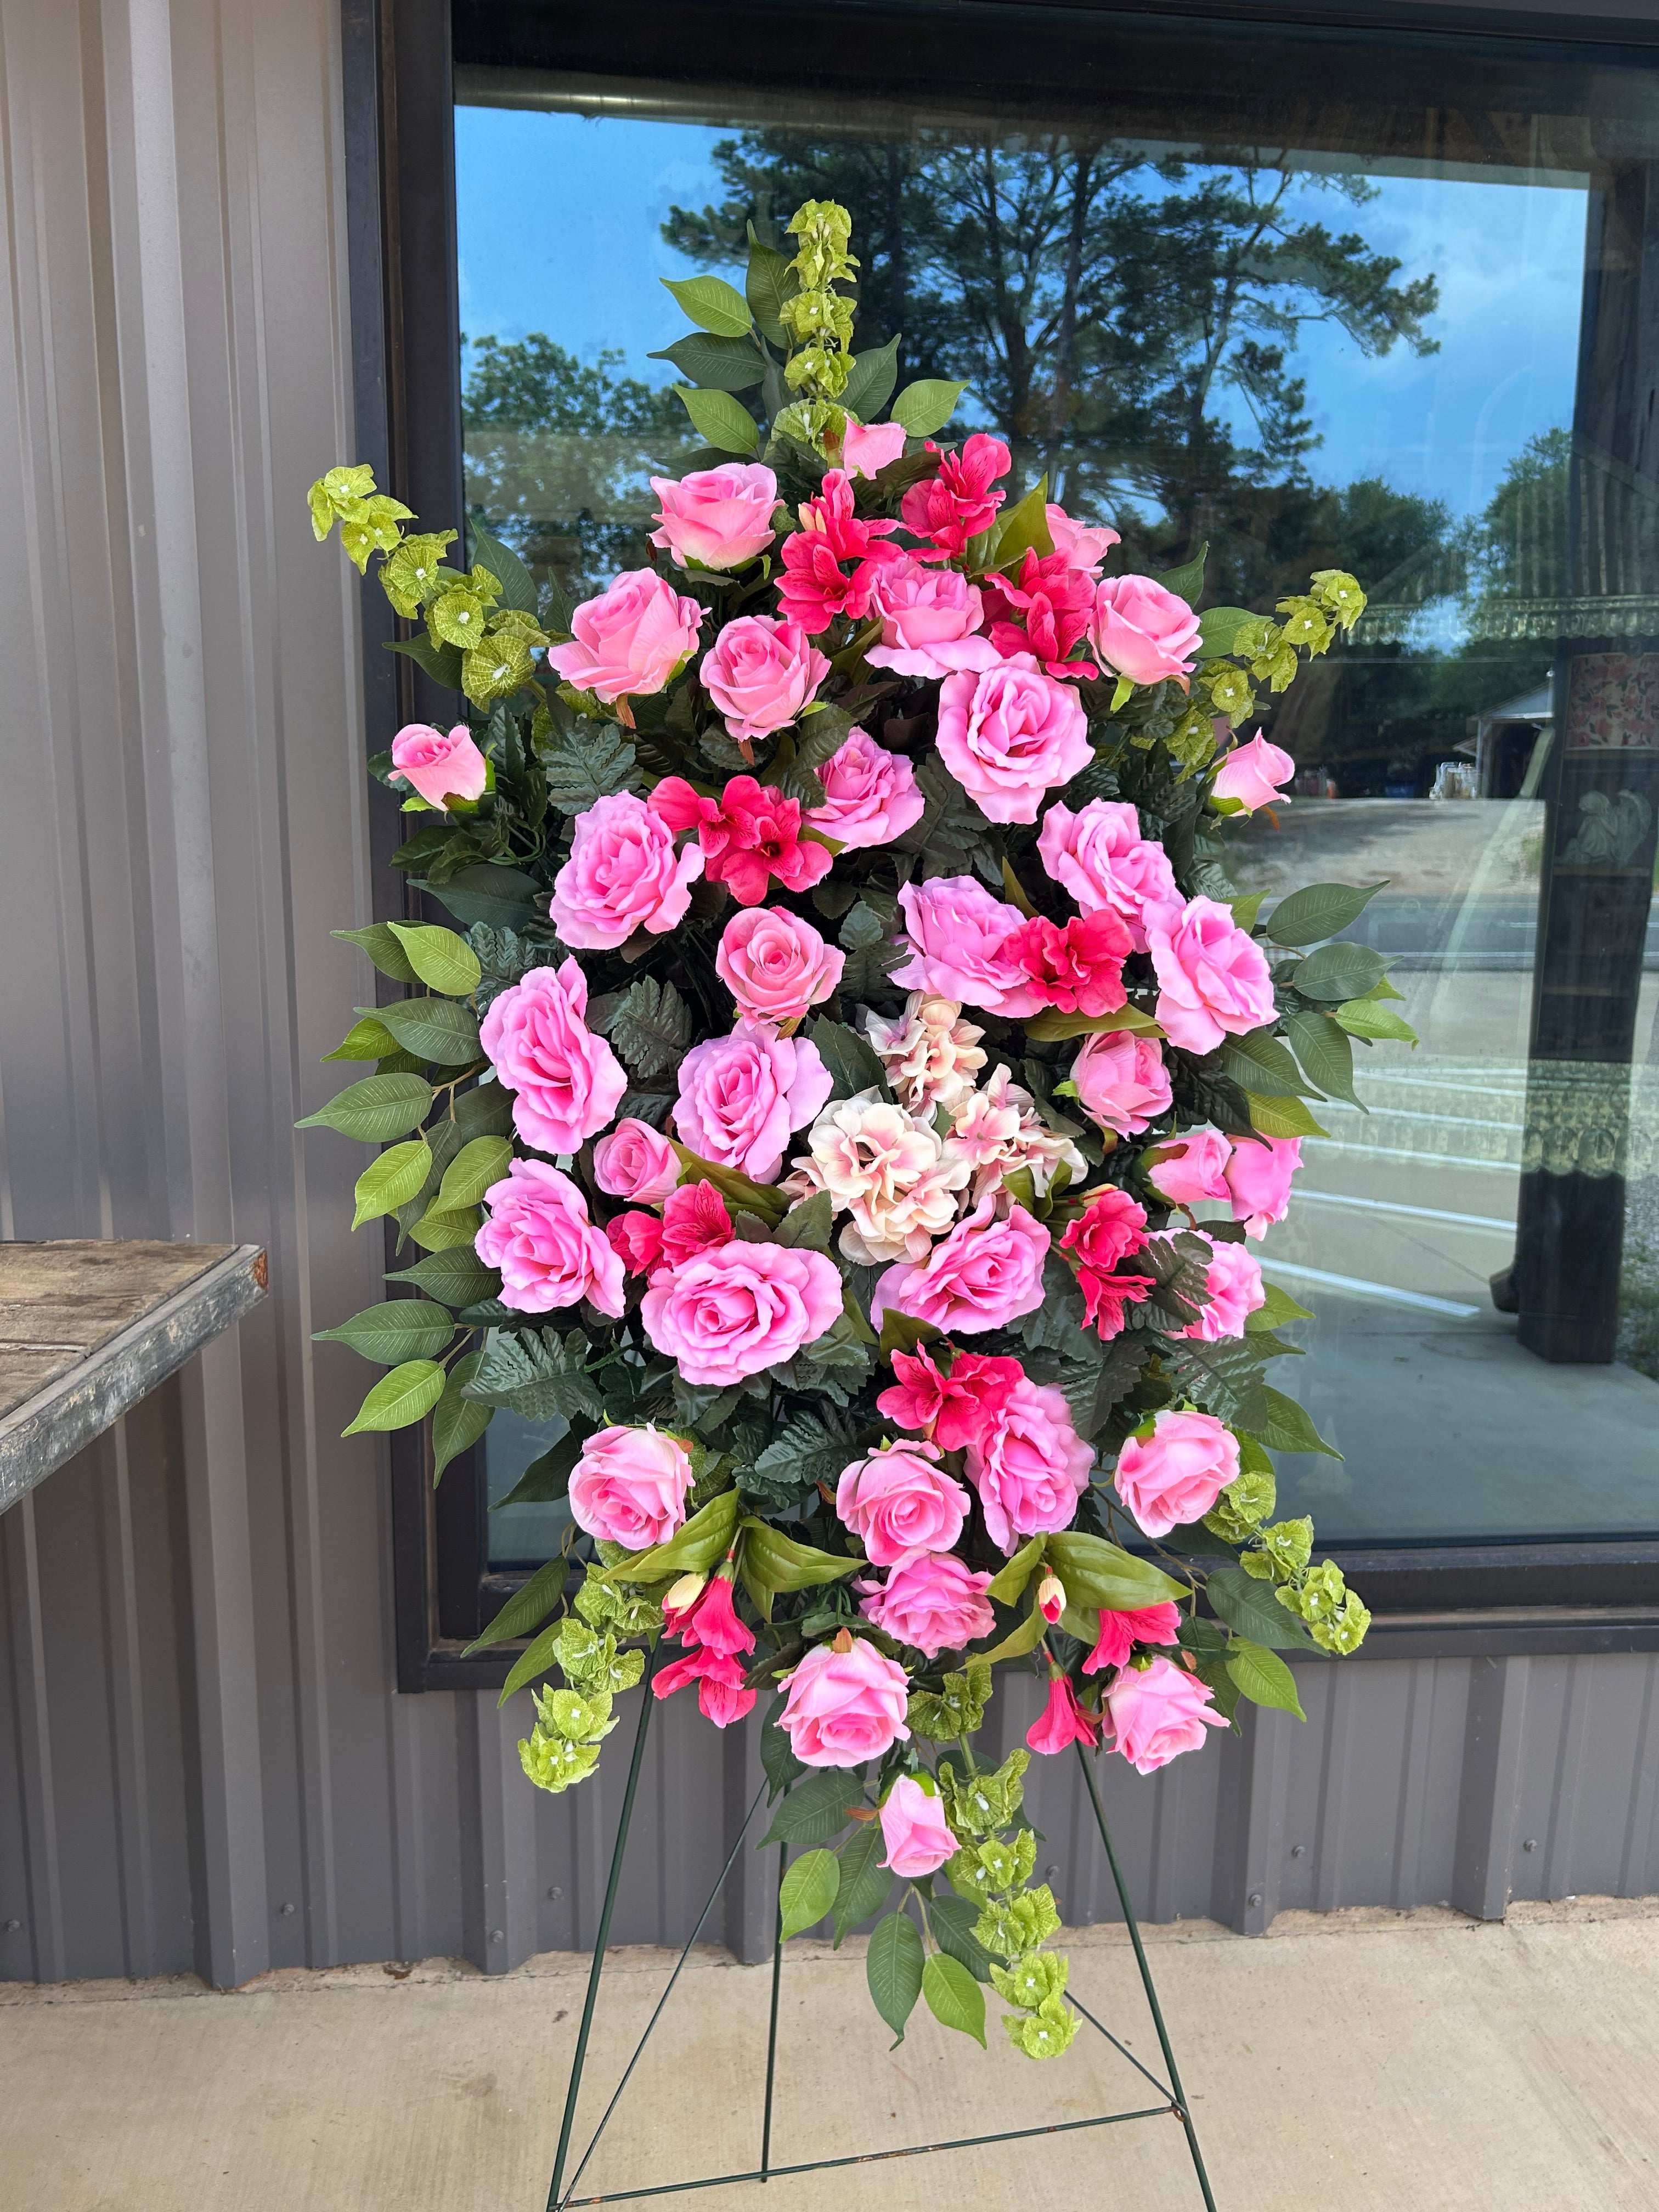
[[1352, 328]]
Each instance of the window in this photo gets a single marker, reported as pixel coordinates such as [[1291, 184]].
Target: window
[[1264, 289]]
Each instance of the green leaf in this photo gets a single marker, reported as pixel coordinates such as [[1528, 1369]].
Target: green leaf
[[458, 1422], [731, 1183], [1364, 1018], [808, 1890], [954, 1998], [391, 1179], [472, 1171], [547, 1478], [445, 1229], [902, 1333], [924, 407], [402, 1328], [815, 1809], [1024, 528], [1290, 1428], [1308, 916], [536, 1375], [776, 1562], [458, 1277], [717, 416], [525, 1609], [853, 1065], [368, 1039], [1278, 1308], [405, 1395], [592, 760], [1007, 1584], [716, 364], [864, 1886], [871, 955], [443, 961], [1282, 1117], [442, 663], [1245, 909], [712, 304], [1325, 1052], [1097, 1573], [1251, 1609], [501, 898], [485, 1111], [777, 1752], [1263, 1677], [1051, 1026], [952, 1920], [378, 1108], [893, 1968], [1218, 627], [536, 1659], [1258, 1062], [702, 1542], [441, 1030], [651, 1027], [806, 1227], [869, 385], [807, 1452], [770, 279], [518, 585], [1343, 970], [1187, 582], [1019, 1641]]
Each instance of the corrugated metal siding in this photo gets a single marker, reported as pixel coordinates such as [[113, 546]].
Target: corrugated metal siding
[[203, 1761]]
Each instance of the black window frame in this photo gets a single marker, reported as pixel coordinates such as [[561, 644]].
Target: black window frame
[[1467, 1599]]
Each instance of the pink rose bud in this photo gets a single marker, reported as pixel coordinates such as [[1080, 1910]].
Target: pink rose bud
[[1051, 1598], [935, 1602], [739, 1308], [900, 1501], [1143, 630], [1252, 774], [439, 768], [1190, 1167], [1010, 734], [1063, 1722], [1213, 977], [867, 448], [628, 1486], [537, 1232], [568, 1082], [1159, 1711], [760, 673], [623, 875], [1174, 1476], [1122, 1082], [680, 1597], [631, 638], [719, 517], [1081, 546], [843, 1707], [914, 1829], [870, 795], [636, 1162], [1099, 856], [1259, 1181], [776, 965], [1232, 1293]]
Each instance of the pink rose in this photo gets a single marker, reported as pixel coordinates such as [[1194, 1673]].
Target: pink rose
[[740, 1096], [439, 768], [1143, 631], [1121, 1081], [1120, 1632], [629, 639], [960, 948], [1099, 856], [775, 965], [867, 448], [1259, 1181], [870, 795], [1232, 1293], [628, 1486], [1213, 977], [935, 1602], [1157, 1713], [761, 673], [843, 1707], [1029, 1464], [624, 874], [739, 1308], [568, 1081], [719, 517], [1081, 546], [899, 1501], [635, 1161], [1252, 774], [1011, 733], [914, 1829], [537, 1232], [1063, 1721], [984, 1276], [1191, 1166], [1175, 1475], [929, 619]]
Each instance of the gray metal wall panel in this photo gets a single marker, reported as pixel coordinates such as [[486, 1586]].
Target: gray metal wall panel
[[201, 1759]]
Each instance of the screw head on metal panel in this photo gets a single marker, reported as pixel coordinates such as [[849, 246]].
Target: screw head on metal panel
[[286, 1911], [555, 1893], [1051, 1874], [1256, 1897], [1297, 1851], [497, 1935], [1531, 1844], [11, 1927]]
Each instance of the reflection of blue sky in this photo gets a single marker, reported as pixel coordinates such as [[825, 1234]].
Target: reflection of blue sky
[[560, 226]]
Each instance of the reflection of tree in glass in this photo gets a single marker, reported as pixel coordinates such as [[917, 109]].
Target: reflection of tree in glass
[[558, 454]]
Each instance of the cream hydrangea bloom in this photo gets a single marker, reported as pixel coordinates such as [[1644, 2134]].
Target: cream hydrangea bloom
[[930, 1054], [890, 1172], [998, 1130]]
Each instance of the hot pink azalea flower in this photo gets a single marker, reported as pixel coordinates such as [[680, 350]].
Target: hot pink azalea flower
[[537, 1232], [1064, 1721], [1159, 1711], [1120, 1632], [950, 1407], [984, 1276], [1213, 977], [841, 1707], [623, 875], [568, 1083], [1099, 856], [628, 1486], [636, 1239], [1173, 1475], [1252, 774], [1083, 545], [693, 1219], [717, 517], [760, 673], [900, 1501], [722, 1694], [631, 638], [817, 584], [1009, 734], [1080, 967], [930, 622], [439, 767], [1143, 630], [960, 947], [740, 1096], [1191, 1167], [1259, 1181], [1112, 1229], [1121, 1081], [1029, 1464], [870, 795], [1046, 613], [934, 1602], [711, 1620], [635, 1161], [775, 965], [913, 1827], [867, 448], [750, 834], [738, 1309], [961, 500]]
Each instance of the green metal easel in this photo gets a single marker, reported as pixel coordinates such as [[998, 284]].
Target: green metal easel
[[561, 2197]]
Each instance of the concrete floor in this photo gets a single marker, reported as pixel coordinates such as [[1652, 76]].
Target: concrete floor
[[1367, 2060]]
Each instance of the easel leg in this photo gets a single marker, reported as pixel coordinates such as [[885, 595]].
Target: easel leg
[[1147, 1981], [772, 2032]]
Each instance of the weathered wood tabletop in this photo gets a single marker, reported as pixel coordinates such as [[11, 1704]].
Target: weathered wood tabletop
[[87, 1329]]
